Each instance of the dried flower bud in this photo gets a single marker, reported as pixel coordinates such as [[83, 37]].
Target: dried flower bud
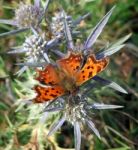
[[57, 24]]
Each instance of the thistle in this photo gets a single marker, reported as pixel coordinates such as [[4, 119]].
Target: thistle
[[57, 23], [26, 16], [61, 83]]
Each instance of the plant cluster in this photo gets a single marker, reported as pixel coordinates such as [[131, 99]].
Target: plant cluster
[[52, 42]]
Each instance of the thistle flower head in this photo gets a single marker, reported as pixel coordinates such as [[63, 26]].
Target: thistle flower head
[[35, 51], [28, 15], [34, 46], [77, 111], [74, 113]]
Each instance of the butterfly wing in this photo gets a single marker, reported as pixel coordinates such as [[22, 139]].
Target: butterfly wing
[[91, 68], [71, 64], [48, 75], [47, 93]]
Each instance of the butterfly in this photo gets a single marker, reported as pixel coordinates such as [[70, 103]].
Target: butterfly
[[67, 75]]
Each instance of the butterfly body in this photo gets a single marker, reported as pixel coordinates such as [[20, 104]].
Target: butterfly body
[[67, 76]]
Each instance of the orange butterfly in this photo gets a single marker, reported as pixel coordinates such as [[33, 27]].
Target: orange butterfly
[[67, 76]]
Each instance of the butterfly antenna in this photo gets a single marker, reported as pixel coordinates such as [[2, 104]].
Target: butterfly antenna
[[67, 32]]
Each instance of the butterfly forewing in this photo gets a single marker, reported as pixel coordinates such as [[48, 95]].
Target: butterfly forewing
[[71, 64], [47, 93], [91, 68]]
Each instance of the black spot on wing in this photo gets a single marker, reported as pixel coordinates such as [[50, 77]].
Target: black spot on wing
[[90, 74], [77, 67], [83, 77], [88, 67], [53, 95], [92, 67]]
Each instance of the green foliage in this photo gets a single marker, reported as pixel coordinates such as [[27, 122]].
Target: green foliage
[[25, 133]]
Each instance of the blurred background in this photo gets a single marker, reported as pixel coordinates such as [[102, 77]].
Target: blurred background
[[118, 128]]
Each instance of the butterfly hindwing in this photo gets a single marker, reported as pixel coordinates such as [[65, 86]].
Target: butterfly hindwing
[[48, 75], [47, 93], [71, 64], [91, 68]]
